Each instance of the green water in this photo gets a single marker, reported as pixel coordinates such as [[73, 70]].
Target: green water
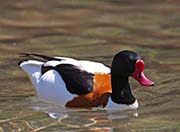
[[92, 30]]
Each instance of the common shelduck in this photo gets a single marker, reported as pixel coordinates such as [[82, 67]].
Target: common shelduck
[[85, 84]]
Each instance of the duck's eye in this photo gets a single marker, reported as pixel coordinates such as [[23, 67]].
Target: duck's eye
[[139, 75]]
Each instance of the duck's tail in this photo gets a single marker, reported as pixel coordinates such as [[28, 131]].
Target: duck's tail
[[32, 65], [33, 69]]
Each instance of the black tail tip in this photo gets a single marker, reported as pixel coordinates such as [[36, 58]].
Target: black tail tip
[[24, 54], [20, 62]]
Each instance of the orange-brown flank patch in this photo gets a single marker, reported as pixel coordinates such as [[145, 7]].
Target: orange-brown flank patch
[[99, 96]]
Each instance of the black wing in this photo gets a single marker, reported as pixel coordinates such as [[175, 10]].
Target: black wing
[[77, 81]]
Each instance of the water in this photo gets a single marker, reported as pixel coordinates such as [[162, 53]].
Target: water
[[93, 30]]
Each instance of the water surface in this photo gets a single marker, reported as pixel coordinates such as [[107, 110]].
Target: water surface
[[93, 30]]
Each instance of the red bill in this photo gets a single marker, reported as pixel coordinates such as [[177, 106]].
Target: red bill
[[139, 74]]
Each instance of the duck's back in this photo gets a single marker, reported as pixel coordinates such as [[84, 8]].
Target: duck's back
[[62, 79]]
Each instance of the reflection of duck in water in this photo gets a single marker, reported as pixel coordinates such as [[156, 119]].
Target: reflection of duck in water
[[84, 118], [85, 84]]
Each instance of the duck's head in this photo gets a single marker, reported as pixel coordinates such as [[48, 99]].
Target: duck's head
[[125, 64]]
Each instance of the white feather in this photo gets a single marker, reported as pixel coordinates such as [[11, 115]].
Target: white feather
[[52, 63], [33, 69], [50, 86], [53, 89], [89, 66], [112, 105], [94, 67]]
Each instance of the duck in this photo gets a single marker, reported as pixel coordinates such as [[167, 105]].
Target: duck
[[77, 83]]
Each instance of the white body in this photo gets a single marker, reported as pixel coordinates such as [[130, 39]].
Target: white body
[[50, 86]]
